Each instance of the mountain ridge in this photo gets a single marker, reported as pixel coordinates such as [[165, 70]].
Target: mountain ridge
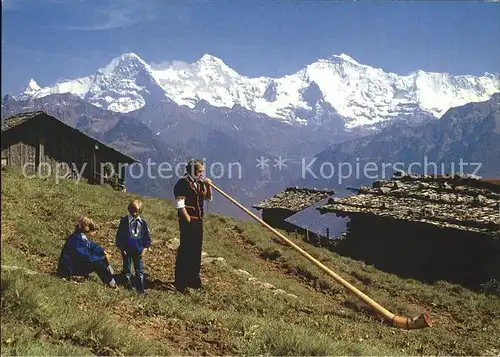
[[468, 134], [359, 94]]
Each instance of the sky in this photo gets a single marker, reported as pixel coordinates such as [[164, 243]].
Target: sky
[[50, 40]]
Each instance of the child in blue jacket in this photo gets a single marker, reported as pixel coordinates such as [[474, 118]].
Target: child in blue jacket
[[133, 240], [80, 256]]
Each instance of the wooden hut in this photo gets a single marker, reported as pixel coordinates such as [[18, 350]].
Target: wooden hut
[[38, 143], [276, 209], [425, 227]]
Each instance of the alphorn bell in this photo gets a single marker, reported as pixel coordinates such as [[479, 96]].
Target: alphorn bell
[[398, 321]]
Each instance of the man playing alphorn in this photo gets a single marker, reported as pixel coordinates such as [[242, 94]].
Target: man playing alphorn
[[190, 191]]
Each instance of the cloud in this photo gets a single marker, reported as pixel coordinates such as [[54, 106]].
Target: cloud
[[93, 15], [116, 14], [115, 20], [177, 65]]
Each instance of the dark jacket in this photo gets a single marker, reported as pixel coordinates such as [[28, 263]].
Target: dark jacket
[[125, 240], [77, 256], [193, 192]]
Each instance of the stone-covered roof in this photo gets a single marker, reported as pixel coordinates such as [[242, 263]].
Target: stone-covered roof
[[18, 119], [459, 202], [294, 199]]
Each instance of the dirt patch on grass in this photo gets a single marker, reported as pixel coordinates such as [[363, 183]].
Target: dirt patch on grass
[[181, 337]]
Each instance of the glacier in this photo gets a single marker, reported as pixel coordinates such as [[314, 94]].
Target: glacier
[[360, 94]]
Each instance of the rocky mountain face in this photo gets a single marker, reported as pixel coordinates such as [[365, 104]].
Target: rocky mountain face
[[466, 139], [336, 92], [230, 141], [237, 137]]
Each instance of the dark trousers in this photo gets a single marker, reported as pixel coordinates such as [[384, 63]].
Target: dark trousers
[[188, 261], [101, 268], [104, 271], [135, 258]]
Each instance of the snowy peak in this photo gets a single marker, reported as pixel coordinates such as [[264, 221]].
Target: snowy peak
[[32, 87], [358, 93], [128, 62], [124, 85], [208, 79], [210, 61], [344, 57], [213, 66]]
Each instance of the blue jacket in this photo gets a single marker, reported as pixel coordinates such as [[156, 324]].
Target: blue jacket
[[125, 241], [77, 256]]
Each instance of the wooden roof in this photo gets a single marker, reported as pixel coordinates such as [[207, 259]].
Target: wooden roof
[[294, 199], [458, 202], [18, 119]]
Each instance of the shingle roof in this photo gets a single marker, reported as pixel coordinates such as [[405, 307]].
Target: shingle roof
[[18, 119], [294, 199], [457, 202]]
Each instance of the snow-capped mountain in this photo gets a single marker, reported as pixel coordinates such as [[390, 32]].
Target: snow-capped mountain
[[465, 140], [124, 85], [360, 94]]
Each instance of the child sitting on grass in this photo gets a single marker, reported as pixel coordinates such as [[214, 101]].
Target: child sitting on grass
[[80, 256], [133, 239]]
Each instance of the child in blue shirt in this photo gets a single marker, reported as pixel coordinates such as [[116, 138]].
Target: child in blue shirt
[[80, 256], [133, 240]]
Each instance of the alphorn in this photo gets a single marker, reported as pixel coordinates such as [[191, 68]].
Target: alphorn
[[418, 322]]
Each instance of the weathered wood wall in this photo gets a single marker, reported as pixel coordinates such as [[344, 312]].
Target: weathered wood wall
[[275, 217], [46, 144], [422, 251], [20, 149], [61, 145]]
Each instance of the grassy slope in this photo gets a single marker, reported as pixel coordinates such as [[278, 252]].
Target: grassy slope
[[42, 314]]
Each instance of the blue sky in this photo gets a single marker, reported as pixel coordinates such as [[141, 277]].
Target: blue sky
[[53, 39]]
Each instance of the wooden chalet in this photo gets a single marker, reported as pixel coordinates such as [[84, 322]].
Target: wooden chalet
[[425, 227], [276, 209], [39, 142]]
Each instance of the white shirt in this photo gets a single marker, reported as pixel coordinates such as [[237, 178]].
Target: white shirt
[[181, 203], [135, 226], [85, 239]]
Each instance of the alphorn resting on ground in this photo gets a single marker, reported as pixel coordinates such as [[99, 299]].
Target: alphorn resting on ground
[[418, 322]]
